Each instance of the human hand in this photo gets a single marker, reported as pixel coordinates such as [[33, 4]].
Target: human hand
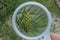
[[55, 36]]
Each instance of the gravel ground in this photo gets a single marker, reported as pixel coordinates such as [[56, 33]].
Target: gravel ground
[[0, 38], [56, 21]]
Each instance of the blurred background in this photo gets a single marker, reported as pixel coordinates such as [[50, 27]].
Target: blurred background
[[7, 8]]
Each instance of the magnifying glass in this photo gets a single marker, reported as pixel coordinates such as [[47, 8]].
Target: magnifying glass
[[32, 21]]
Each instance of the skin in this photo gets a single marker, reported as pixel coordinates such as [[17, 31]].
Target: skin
[[55, 36]]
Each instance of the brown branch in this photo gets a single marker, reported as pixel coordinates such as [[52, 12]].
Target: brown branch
[[56, 3]]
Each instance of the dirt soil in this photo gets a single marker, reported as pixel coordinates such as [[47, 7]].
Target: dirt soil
[[56, 21]]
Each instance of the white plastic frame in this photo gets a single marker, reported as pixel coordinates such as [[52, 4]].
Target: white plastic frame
[[25, 5]]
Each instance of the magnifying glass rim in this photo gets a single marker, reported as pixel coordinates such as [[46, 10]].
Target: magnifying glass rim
[[25, 5]]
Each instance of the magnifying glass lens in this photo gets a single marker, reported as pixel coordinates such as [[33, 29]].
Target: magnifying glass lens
[[32, 21]]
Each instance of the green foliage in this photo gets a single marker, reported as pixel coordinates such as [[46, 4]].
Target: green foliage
[[59, 0], [7, 8]]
